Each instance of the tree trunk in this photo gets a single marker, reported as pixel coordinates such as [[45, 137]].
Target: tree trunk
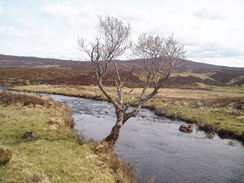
[[114, 133]]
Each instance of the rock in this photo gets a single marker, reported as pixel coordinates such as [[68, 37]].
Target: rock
[[231, 143], [5, 156], [206, 128], [210, 135], [156, 118], [143, 116], [187, 128], [29, 135]]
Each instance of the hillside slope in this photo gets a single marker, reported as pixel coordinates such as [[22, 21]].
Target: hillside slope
[[186, 72]]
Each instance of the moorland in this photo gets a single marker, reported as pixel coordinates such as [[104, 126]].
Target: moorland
[[210, 96]]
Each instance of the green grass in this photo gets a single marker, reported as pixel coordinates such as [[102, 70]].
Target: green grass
[[57, 155], [221, 115], [187, 74], [225, 89], [218, 119], [222, 111], [239, 89]]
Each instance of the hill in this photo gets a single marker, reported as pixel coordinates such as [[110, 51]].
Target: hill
[[53, 71]]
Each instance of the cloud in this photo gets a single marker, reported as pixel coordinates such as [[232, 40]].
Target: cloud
[[131, 14], [24, 33], [71, 15], [1, 9], [231, 61], [212, 50], [209, 14], [62, 10], [214, 53]]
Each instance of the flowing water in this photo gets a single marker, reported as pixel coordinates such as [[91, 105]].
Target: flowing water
[[157, 148]]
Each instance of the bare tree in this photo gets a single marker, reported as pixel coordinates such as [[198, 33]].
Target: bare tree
[[113, 41]]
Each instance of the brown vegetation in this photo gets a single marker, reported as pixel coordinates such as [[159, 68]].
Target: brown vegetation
[[27, 75], [59, 76], [184, 66], [25, 99], [16, 70], [5, 156], [8, 98], [227, 76]]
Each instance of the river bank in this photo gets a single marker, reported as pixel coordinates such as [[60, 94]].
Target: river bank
[[39, 133], [219, 112], [155, 146]]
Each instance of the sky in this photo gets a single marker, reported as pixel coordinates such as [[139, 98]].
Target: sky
[[211, 30]]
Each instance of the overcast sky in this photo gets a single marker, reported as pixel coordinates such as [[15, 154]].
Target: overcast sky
[[212, 30]]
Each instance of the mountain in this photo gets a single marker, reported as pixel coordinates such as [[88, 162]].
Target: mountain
[[186, 72]]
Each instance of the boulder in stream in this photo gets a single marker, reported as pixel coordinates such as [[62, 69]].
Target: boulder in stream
[[187, 128], [210, 135], [231, 143]]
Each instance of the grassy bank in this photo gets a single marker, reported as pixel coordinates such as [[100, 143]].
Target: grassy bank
[[55, 153], [225, 89], [221, 112]]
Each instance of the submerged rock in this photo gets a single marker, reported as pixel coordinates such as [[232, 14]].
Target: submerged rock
[[5, 156], [231, 143], [187, 128], [210, 135], [143, 116], [206, 128]]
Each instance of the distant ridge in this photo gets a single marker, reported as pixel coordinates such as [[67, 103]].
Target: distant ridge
[[183, 66], [187, 70]]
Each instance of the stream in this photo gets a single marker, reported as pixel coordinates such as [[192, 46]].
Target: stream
[[157, 148]]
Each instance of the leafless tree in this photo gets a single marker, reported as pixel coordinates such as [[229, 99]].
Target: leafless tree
[[113, 40]]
